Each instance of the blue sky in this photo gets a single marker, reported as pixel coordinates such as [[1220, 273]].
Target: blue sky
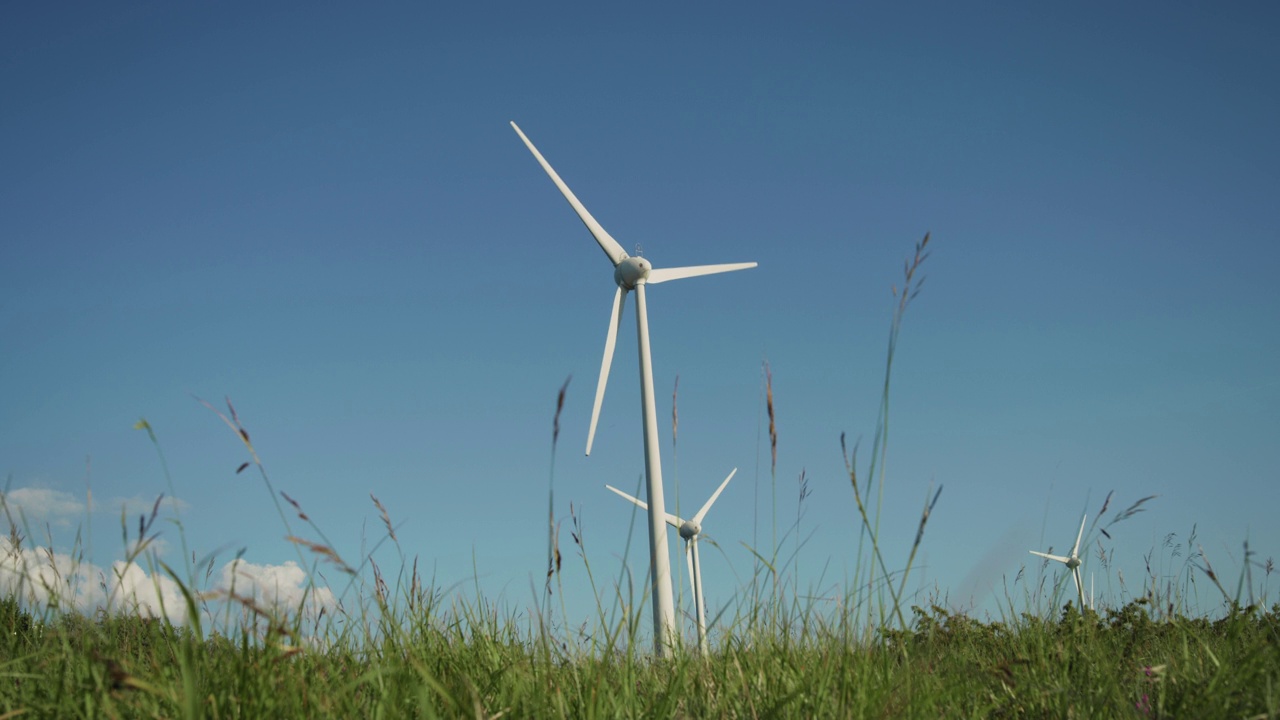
[[322, 213]]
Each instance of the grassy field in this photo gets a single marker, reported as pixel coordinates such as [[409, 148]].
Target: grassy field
[[429, 663], [407, 649]]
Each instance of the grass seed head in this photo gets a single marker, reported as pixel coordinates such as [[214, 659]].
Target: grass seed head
[[773, 428], [555, 423], [386, 519]]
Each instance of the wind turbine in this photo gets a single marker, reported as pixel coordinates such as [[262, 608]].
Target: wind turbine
[[1072, 562], [689, 530], [633, 273]]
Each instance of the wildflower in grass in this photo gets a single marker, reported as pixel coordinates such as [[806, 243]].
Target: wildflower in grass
[[1152, 673]]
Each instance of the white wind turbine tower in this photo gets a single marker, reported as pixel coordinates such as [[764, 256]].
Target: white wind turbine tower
[[689, 530], [633, 273], [1072, 562]]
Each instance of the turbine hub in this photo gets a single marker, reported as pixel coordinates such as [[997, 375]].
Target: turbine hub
[[1073, 563], [689, 529], [631, 272]]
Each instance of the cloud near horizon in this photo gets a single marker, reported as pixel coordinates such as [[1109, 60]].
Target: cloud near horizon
[[40, 577], [281, 588]]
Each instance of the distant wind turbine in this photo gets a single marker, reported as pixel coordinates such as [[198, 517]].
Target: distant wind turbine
[[690, 530], [633, 273], [1072, 562]]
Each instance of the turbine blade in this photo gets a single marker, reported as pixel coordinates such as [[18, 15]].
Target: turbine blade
[[1075, 575], [610, 340], [1079, 535], [643, 505], [607, 243], [672, 520], [699, 598], [1059, 558], [659, 275], [688, 560], [697, 519]]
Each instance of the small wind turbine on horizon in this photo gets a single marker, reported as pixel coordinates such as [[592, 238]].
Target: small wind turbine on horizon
[[633, 274], [1072, 562], [690, 530]]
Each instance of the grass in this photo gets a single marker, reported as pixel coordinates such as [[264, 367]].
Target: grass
[[455, 662], [403, 649]]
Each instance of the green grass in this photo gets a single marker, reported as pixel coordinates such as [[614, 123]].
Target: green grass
[[404, 647], [432, 663]]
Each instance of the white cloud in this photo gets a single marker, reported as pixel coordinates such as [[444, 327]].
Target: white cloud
[[146, 596], [41, 577], [280, 588], [40, 505], [143, 505]]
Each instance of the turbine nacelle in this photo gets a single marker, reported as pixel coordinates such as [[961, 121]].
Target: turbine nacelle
[[689, 531], [1072, 561], [631, 272]]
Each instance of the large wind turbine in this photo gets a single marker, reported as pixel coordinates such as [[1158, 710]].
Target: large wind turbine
[[689, 530], [1072, 562], [633, 273]]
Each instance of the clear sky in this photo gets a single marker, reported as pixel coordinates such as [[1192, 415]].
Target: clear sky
[[321, 212]]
